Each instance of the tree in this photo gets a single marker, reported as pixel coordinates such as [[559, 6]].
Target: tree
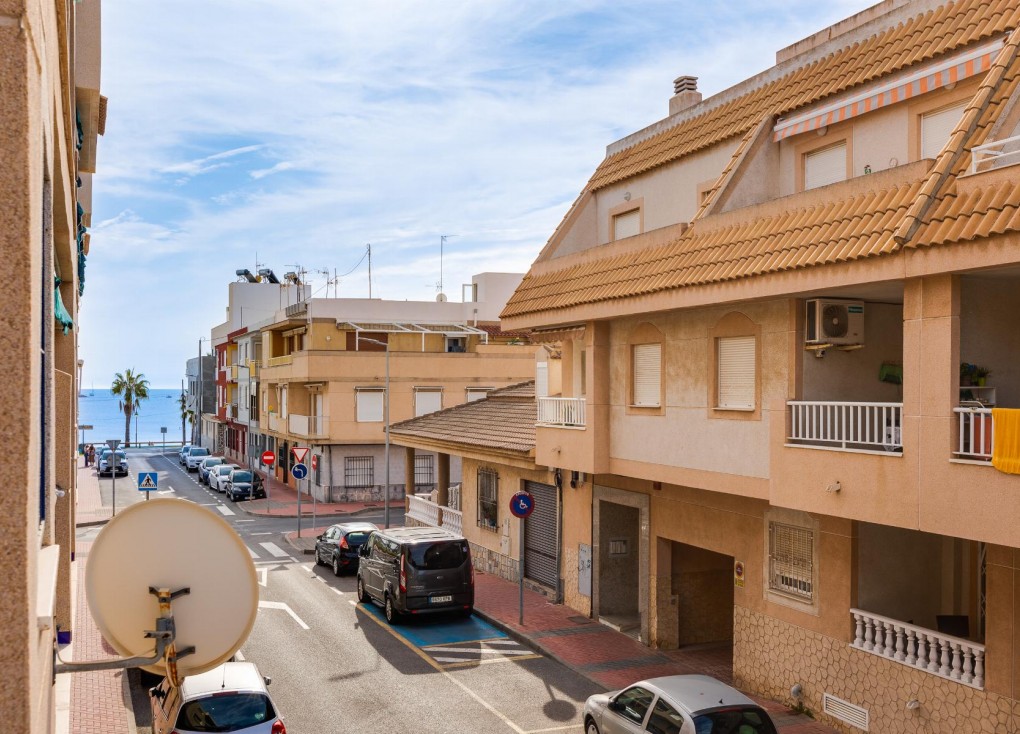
[[187, 414], [132, 389]]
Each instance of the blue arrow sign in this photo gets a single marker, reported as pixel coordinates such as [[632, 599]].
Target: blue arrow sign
[[148, 481], [522, 504], [300, 471]]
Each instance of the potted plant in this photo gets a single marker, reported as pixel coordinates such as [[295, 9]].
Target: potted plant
[[980, 375], [967, 374]]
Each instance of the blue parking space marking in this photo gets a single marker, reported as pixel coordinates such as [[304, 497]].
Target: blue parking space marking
[[429, 630]]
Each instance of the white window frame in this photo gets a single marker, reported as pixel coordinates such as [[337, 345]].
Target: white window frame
[[646, 375], [736, 377], [423, 396], [825, 166], [472, 394], [364, 409]]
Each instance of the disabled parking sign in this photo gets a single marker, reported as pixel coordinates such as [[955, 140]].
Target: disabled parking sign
[[522, 504]]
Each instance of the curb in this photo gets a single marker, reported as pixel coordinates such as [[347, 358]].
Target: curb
[[92, 523], [353, 513]]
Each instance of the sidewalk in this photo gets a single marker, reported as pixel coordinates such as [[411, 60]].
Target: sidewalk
[[282, 501], [608, 658]]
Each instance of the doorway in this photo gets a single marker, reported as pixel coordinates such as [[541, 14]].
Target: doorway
[[702, 584]]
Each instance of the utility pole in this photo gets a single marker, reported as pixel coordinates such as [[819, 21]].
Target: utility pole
[[201, 393]]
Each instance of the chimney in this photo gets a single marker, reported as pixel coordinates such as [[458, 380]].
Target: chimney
[[685, 94]]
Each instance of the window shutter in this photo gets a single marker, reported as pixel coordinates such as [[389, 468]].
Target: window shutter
[[936, 127], [370, 406], [736, 372], [541, 379], [627, 224], [474, 394], [824, 167], [647, 375], [427, 401]]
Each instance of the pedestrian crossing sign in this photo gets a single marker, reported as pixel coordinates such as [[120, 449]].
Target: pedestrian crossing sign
[[148, 481]]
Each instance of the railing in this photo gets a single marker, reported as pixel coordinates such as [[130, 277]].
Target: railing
[[942, 655], [995, 151], [279, 361], [567, 412], [233, 372], [453, 520], [423, 510], [977, 432], [847, 426], [306, 425], [232, 411], [276, 423], [253, 367]]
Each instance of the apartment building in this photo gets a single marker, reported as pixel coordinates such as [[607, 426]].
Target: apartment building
[[200, 392], [775, 310], [51, 113], [334, 371]]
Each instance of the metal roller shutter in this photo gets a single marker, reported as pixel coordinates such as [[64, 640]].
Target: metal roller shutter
[[736, 372], [648, 375], [936, 127], [824, 167], [541, 563]]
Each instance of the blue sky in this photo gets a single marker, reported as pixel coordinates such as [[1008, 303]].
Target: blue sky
[[301, 131]]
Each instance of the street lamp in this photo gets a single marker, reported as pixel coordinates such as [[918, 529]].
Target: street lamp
[[386, 419]]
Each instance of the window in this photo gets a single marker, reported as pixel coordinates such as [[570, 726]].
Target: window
[[359, 471], [665, 719], [791, 560], [936, 127], [370, 405], [488, 498], [634, 703], [541, 379], [427, 400], [627, 224], [424, 470], [456, 344], [825, 166], [477, 393], [647, 371], [736, 377]]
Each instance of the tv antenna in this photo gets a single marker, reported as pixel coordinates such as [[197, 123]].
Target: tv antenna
[[442, 244]]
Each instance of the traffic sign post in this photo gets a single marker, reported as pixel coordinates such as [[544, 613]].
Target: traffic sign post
[[148, 481], [268, 458], [299, 471], [522, 504], [113, 443], [162, 429]]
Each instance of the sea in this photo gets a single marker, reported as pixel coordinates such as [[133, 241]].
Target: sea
[[98, 408]]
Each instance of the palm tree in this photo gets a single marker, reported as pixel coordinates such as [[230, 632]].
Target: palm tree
[[132, 389], [187, 414]]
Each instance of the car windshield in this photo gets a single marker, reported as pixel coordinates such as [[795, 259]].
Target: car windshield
[[241, 476], [224, 469], [225, 712], [198, 452], [737, 720], [438, 556], [212, 461]]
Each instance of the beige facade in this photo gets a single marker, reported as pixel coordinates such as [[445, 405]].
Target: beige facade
[[764, 383], [50, 75]]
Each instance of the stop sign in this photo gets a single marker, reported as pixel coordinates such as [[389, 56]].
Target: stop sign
[[268, 458]]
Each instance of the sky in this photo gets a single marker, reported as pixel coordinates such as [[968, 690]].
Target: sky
[[294, 133]]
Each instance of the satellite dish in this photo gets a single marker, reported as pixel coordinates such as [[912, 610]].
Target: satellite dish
[[441, 298], [175, 544]]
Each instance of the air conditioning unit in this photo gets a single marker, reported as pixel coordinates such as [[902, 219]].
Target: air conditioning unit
[[835, 322]]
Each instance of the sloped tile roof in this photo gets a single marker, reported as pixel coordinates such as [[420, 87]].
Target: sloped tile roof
[[505, 421], [926, 36]]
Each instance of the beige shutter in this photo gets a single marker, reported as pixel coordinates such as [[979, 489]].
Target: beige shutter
[[477, 393], [825, 166], [370, 406], [627, 224], [427, 401], [541, 379], [936, 127], [648, 375], [736, 372]]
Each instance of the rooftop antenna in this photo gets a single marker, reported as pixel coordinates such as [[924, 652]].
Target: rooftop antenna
[[442, 244], [369, 248]]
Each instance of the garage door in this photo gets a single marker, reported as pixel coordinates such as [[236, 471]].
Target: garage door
[[540, 537]]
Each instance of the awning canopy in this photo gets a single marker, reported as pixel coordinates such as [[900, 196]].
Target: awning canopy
[[409, 327]]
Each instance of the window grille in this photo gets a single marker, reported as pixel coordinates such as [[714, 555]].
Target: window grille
[[359, 471], [488, 498], [424, 470], [791, 560]]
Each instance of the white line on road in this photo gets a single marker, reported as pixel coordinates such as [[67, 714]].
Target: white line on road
[[475, 651], [275, 550], [239, 657], [225, 510], [352, 602], [263, 576], [255, 533], [336, 591], [252, 553], [244, 521], [284, 607]]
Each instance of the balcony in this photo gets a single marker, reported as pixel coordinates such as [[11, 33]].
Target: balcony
[[307, 425], [429, 513], [232, 411], [846, 426], [940, 654], [280, 361], [996, 154], [233, 372], [561, 412], [976, 431], [277, 424]]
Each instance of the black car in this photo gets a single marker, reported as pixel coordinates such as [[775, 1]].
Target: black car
[[241, 487], [338, 546]]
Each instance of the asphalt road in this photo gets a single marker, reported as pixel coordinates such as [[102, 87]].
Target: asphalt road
[[337, 666]]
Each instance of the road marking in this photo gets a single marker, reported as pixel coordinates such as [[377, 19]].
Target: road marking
[[354, 604], [275, 550], [457, 664], [476, 651], [254, 533], [211, 504], [225, 510], [169, 488], [336, 591], [244, 521], [239, 657], [263, 575], [284, 607]]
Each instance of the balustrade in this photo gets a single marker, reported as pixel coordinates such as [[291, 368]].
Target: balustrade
[[565, 412], [847, 426]]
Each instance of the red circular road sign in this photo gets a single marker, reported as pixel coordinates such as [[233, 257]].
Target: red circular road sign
[[522, 504], [268, 458], [315, 462]]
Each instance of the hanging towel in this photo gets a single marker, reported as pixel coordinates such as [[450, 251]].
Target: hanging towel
[[1006, 444]]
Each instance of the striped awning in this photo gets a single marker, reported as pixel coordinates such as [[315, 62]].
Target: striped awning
[[947, 71]]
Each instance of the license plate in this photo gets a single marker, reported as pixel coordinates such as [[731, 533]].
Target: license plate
[[440, 599]]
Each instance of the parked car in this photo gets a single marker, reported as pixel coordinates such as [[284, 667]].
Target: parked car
[[195, 456], [240, 486], [230, 698], [338, 546], [108, 466], [416, 571], [182, 454], [691, 704], [219, 475], [205, 465]]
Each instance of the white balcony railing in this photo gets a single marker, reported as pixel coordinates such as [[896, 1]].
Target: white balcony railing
[[423, 510], [942, 655], [565, 412], [977, 431], [306, 425], [453, 520], [988, 155], [276, 423], [846, 426]]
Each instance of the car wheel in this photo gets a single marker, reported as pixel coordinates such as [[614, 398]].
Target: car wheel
[[391, 613], [336, 565], [590, 727], [362, 596], [316, 557]]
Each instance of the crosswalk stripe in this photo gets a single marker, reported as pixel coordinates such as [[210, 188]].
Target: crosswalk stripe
[[252, 553], [477, 651], [225, 510], [274, 549]]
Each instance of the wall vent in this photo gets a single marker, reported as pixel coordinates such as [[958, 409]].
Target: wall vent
[[845, 711]]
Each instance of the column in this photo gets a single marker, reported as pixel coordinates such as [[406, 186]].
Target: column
[[408, 473], [443, 479]]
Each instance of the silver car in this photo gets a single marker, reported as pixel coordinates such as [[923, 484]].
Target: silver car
[[676, 704], [219, 476]]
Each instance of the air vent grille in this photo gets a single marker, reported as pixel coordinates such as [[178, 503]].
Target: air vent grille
[[845, 711]]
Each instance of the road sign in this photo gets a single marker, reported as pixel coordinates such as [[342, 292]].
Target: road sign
[[300, 471], [113, 443], [315, 462], [300, 452], [162, 429], [268, 458], [522, 504], [85, 427], [148, 481]]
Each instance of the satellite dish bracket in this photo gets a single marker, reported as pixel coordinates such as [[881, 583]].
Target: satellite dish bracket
[[165, 634]]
